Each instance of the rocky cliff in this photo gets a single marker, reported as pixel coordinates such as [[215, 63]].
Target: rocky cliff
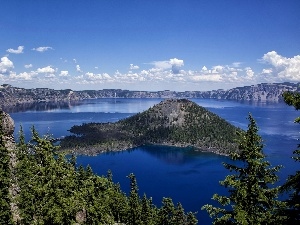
[[13, 96], [7, 138]]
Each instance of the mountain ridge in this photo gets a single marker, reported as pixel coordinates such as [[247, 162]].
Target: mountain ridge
[[13, 96]]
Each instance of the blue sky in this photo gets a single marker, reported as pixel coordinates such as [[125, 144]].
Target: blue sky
[[181, 45]]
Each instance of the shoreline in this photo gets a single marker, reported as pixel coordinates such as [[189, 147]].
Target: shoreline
[[97, 150]]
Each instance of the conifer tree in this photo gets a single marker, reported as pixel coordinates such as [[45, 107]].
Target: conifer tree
[[134, 213], [252, 199], [47, 182], [179, 215], [166, 212], [292, 184], [191, 219], [148, 214], [54, 191]]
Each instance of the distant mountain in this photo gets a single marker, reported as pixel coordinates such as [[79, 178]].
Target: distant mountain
[[173, 122], [13, 96]]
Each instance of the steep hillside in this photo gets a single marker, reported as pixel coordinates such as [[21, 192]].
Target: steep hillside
[[172, 122]]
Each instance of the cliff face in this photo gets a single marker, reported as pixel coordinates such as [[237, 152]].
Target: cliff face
[[260, 92], [13, 96], [8, 127]]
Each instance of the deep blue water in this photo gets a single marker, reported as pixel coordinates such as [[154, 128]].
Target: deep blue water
[[184, 175]]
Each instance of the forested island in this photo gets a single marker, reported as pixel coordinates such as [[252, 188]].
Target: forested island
[[40, 184], [173, 122]]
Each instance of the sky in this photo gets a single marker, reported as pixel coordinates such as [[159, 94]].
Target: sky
[[178, 45]]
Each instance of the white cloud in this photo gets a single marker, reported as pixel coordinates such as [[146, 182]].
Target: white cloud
[[217, 69], [204, 69], [64, 73], [236, 64], [132, 67], [42, 49], [50, 75], [74, 60], [249, 72], [267, 71], [94, 78], [27, 66], [24, 76], [78, 68], [176, 62], [162, 64], [286, 69], [173, 64], [16, 51], [6, 65], [210, 78], [168, 64], [106, 76], [274, 59], [47, 69], [164, 74]]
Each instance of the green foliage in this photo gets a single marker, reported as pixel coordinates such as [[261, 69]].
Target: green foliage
[[292, 185], [252, 197], [55, 191], [5, 213], [134, 213], [172, 121], [47, 181]]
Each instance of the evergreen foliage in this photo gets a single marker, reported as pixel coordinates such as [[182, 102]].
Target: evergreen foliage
[[53, 190], [292, 185], [252, 198], [172, 122]]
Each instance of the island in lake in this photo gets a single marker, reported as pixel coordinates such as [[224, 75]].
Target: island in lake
[[172, 122]]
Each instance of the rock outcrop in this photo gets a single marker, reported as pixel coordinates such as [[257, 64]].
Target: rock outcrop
[[8, 127]]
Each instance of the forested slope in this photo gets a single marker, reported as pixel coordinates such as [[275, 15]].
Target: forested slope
[[174, 122], [40, 185]]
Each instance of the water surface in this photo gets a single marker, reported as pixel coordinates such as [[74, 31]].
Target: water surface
[[185, 175]]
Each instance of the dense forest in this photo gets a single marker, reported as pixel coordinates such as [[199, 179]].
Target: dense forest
[[177, 122], [44, 186], [41, 185]]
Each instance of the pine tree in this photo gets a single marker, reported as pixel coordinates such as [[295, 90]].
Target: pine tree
[[191, 219], [149, 211], [252, 200], [134, 202], [47, 183], [292, 184], [166, 212], [5, 212], [179, 215]]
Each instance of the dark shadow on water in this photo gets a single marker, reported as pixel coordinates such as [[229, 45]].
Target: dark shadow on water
[[173, 155], [40, 106]]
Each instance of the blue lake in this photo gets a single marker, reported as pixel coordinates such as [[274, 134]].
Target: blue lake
[[185, 175]]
